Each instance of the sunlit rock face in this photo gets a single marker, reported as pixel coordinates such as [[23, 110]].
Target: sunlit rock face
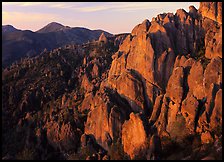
[[155, 93]]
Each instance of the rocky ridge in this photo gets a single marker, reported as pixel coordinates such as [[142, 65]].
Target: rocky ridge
[[153, 94]]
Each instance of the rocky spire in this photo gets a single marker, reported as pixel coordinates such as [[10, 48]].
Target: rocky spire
[[103, 38]]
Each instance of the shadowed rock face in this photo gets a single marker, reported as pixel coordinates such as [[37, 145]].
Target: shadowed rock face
[[105, 120], [155, 93], [128, 86]]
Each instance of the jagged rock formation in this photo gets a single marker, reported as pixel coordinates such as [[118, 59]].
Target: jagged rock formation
[[105, 120], [155, 93], [134, 136], [211, 10], [212, 24], [103, 38]]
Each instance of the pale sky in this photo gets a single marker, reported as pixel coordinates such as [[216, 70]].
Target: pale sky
[[114, 17]]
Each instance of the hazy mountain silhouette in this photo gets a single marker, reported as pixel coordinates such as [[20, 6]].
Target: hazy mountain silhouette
[[17, 44], [52, 27], [8, 28]]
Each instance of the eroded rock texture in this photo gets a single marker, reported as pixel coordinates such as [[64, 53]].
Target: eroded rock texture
[[134, 136], [155, 93]]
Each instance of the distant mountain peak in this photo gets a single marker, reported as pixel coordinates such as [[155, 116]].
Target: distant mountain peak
[[55, 24], [8, 28], [51, 27]]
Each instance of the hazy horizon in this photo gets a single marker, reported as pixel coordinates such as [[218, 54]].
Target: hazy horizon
[[113, 17]]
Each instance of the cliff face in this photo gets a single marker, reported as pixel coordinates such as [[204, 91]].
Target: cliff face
[[164, 70], [211, 13], [211, 10], [155, 95]]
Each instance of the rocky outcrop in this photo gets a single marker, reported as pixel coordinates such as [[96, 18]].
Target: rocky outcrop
[[188, 99], [193, 12], [63, 137], [174, 88], [86, 84], [131, 88], [103, 38], [213, 38], [162, 121], [141, 53], [211, 10], [95, 71], [156, 109], [164, 56], [119, 39], [143, 27], [212, 24], [134, 135], [184, 62], [216, 116], [158, 87], [189, 110], [206, 137], [195, 80], [87, 102], [106, 117], [213, 74]]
